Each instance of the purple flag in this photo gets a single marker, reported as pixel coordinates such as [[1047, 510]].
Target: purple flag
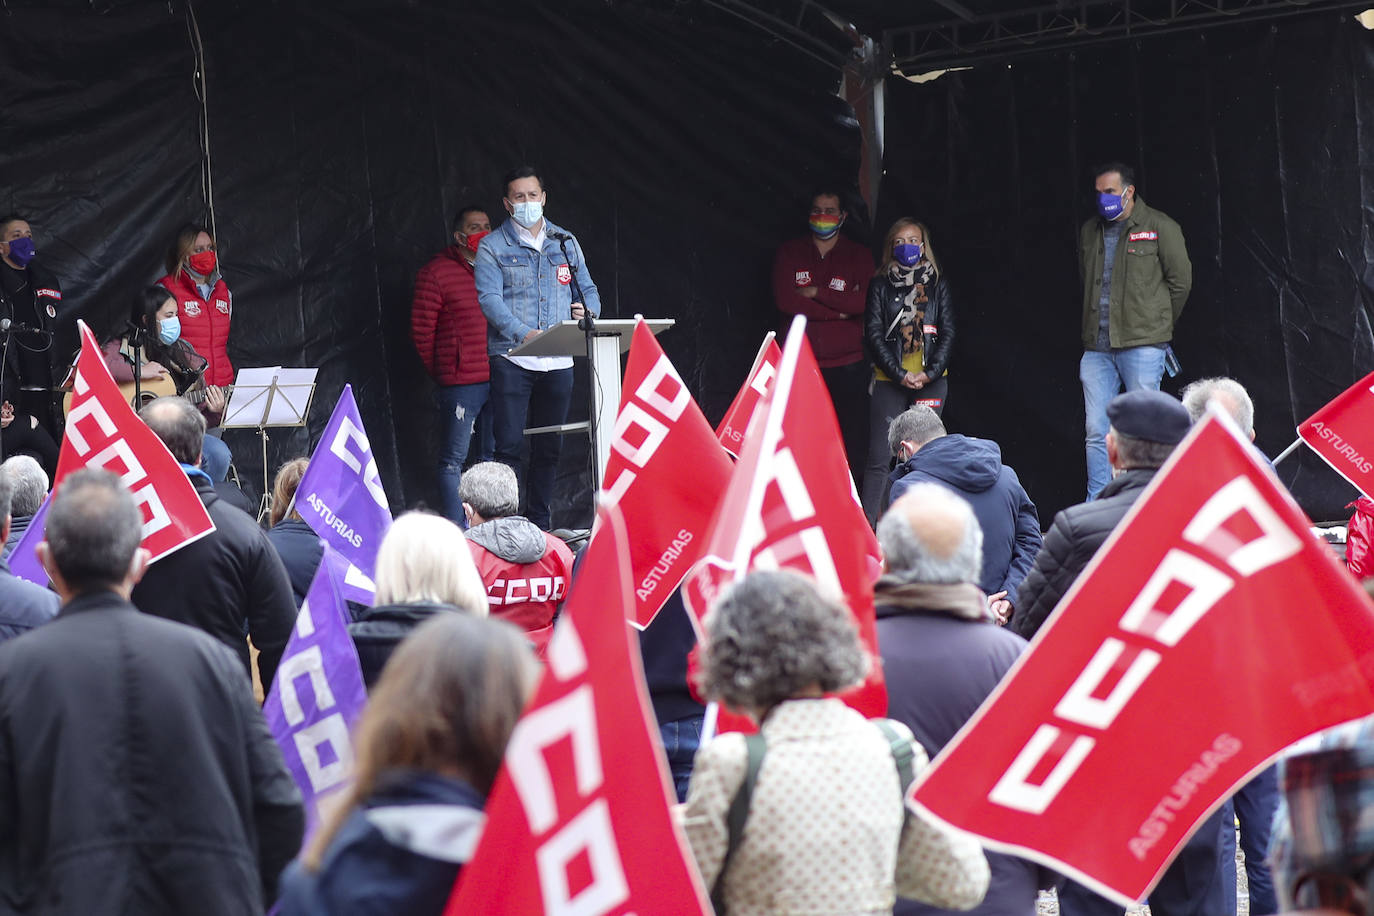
[[318, 695], [23, 561], [354, 585], [340, 496]]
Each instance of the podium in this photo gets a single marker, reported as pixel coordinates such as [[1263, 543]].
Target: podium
[[602, 346]]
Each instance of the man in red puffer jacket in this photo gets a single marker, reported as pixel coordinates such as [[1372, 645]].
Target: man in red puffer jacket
[[450, 333]]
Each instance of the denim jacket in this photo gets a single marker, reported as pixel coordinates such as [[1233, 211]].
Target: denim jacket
[[521, 290]]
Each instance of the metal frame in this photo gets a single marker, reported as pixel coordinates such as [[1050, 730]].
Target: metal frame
[[1036, 30], [792, 32]]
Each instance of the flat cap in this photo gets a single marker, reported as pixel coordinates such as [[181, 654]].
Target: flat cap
[[1150, 415]]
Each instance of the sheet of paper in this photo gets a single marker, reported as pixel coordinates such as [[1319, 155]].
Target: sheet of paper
[[294, 387]]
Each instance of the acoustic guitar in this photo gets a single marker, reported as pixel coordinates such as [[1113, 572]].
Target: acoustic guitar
[[152, 389]]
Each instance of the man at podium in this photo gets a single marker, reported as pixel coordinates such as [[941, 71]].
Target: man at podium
[[530, 275]]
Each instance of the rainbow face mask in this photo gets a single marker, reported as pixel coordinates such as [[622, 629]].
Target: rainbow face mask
[[825, 226]]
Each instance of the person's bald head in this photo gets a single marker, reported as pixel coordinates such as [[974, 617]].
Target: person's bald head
[[179, 425], [931, 536]]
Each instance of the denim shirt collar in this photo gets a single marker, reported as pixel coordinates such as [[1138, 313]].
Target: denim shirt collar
[[511, 230]]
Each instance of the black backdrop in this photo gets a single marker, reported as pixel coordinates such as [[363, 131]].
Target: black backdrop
[[678, 147], [1256, 138], [343, 136]]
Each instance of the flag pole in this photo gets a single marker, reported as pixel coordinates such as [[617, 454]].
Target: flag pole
[[1288, 451]]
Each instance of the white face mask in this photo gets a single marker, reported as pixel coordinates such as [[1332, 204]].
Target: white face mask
[[527, 213]]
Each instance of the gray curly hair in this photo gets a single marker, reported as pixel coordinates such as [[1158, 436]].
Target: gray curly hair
[[773, 635]]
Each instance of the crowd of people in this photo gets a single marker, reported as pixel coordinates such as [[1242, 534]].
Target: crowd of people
[[137, 773], [139, 680]]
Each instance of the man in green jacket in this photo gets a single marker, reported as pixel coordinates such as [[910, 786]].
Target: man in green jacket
[[1136, 277]]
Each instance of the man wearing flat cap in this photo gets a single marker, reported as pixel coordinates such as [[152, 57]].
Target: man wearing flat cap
[[1145, 427]]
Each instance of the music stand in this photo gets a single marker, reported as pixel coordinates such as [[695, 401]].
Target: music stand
[[267, 397]]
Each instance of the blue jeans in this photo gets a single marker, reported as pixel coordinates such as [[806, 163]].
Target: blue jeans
[[520, 398], [1255, 804], [483, 445], [1103, 375], [459, 406], [680, 742], [215, 458]]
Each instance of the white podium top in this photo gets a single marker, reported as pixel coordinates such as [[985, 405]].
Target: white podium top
[[567, 339]]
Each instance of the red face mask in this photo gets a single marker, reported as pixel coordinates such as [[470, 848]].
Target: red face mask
[[475, 239], [202, 263]]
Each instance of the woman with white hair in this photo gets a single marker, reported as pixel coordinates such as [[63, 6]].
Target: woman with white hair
[[827, 830], [424, 568]]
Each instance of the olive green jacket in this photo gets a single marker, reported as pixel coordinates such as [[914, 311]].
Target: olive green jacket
[[1150, 279]]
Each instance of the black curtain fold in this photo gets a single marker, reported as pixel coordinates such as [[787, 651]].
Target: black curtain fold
[[1255, 138]]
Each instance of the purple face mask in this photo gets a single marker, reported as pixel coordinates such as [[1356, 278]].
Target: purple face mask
[[22, 251]]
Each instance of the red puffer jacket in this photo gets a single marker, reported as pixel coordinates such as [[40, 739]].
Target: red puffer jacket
[[447, 324], [205, 323]]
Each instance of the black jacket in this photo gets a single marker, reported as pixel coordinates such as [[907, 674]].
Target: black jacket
[[973, 468], [399, 852], [1072, 540], [229, 583], [136, 773], [379, 630], [939, 669], [884, 350], [17, 528], [23, 605], [47, 295], [300, 550], [664, 646]]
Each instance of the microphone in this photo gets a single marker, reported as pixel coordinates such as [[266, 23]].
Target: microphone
[[560, 236], [9, 327]]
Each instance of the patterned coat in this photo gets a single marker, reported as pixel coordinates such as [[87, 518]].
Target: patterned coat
[[825, 822]]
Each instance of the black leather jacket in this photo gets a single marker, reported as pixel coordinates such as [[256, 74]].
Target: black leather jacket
[[884, 304]]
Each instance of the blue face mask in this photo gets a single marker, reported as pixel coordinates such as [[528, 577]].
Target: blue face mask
[[169, 330], [1110, 205], [907, 254], [22, 251], [528, 212]]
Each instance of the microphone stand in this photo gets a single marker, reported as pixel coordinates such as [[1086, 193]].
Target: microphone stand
[[135, 338], [588, 325], [4, 364]]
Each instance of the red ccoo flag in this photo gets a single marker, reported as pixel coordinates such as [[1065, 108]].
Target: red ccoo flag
[[1342, 433], [1211, 631], [735, 423], [578, 820], [104, 432], [791, 504], [665, 473]]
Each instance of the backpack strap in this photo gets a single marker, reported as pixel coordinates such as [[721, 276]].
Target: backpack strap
[[902, 754], [738, 814]]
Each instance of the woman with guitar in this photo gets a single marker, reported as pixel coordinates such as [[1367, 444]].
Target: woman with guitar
[[168, 365]]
